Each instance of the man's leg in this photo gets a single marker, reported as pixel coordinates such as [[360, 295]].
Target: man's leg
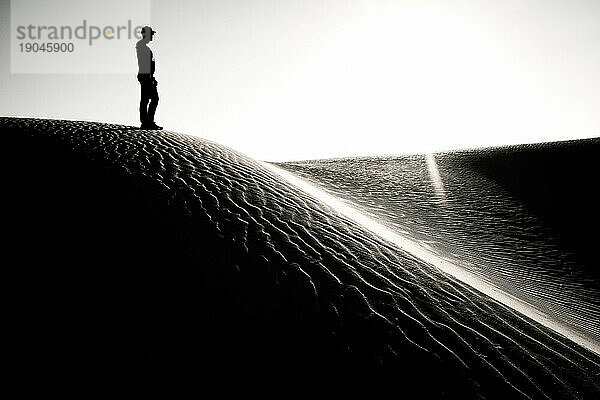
[[153, 103], [145, 94], [144, 107]]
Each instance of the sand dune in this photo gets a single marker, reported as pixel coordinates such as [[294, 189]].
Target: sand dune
[[519, 218], [142, 251]]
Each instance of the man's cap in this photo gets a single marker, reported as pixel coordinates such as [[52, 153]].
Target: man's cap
[[146, 29]]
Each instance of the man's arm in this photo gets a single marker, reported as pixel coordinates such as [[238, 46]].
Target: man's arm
[[152, 65]]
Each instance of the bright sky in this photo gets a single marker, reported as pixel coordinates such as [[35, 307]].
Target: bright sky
[[302, 79]]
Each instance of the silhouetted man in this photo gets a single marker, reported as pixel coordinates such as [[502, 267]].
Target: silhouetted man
[[145, 76]]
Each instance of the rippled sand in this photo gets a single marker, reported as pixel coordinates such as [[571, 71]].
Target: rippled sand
[[522, 218], [156, 251]]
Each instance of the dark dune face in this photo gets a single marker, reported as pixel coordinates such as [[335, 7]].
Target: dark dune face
[[146, 253]]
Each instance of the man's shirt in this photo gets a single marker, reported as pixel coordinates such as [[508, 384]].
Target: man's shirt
[[145, 58]]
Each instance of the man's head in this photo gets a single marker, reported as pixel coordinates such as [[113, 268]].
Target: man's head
[[147, 33]]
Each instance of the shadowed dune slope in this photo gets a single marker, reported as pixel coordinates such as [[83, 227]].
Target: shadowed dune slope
[[145, 252], [555, 180]]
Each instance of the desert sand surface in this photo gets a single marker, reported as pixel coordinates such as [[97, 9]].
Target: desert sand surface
[[520, 218], [137, 252]]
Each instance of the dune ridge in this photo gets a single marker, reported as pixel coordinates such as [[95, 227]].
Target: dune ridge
[[202, 256]]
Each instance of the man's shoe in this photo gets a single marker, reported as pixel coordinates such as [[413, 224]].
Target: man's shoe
[[151, 126]]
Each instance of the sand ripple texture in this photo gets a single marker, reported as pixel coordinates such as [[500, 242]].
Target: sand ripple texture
[[523, 218], [155, 251]]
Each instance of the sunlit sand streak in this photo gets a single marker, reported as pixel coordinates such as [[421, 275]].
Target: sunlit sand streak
[[434, 175], [449, 267]]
